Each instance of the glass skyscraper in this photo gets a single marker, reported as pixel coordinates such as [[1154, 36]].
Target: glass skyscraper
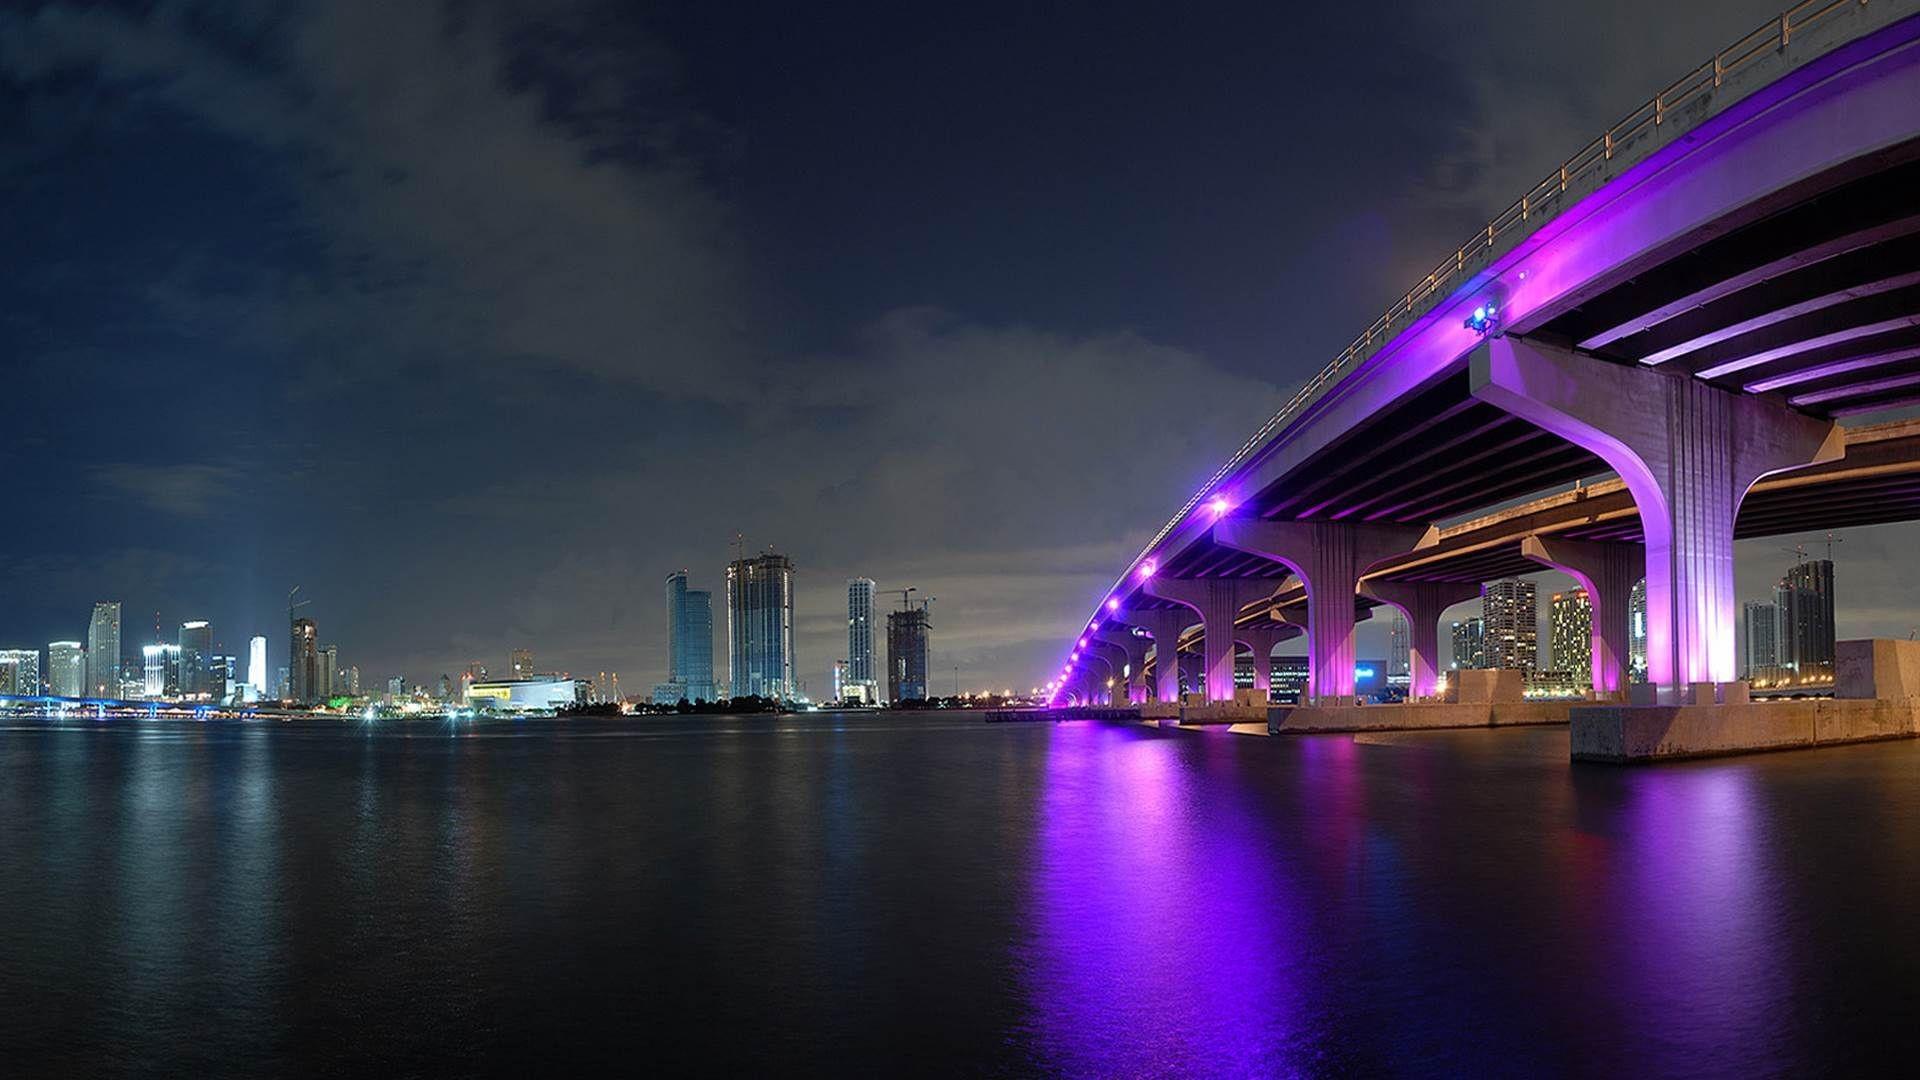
[[196, 658], [67, 669], [1510, 612], [689, 643], [760, 627], [103, 650], [20, 672], [907, 647], [1570, 636], [860, 637], [1803, 638], [303, 663]]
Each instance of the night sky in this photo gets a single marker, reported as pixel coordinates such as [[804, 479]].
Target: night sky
[[476, 320]]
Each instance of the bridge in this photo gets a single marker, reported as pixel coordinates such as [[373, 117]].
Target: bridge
[[1690, 305]]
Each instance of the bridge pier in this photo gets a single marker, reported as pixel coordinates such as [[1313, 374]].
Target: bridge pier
[[1607, 570], [1163, 626], [1115, 658], [1422, 603], [1260, 640], [1688, 452], [1329, 557], [1135, 650], [1217, 601]]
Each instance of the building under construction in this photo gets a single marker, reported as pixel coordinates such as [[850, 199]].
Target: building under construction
[[907, 637]]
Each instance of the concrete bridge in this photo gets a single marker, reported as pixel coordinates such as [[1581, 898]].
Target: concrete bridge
[[1688, 305]]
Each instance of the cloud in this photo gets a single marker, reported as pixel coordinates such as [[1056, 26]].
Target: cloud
[[182, 490]]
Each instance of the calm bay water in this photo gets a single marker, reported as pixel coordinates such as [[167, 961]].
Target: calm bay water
[[888, 895]]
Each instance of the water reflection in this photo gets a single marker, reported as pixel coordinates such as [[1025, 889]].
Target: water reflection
[[1164, 937]]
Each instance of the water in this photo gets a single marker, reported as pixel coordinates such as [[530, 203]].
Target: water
[[889, 895]]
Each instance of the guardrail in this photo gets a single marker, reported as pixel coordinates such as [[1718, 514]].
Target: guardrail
[[1533, 207]]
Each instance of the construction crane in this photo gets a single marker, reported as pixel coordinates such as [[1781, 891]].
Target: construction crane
[[1799, 551]]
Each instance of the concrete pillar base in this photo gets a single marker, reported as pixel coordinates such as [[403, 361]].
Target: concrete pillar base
[[1626, 734]]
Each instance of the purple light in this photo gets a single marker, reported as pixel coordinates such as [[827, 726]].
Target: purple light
[[1147, 568], [1083, 643], [1219, 505], [1113, 603]]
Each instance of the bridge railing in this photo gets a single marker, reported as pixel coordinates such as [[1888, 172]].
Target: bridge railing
[[1539, 202]]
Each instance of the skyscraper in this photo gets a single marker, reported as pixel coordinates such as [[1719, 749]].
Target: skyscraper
[[330, 682], [1637, 632], [689, 640], [907, 647], [1759, 648], [1511, 613], [257, 666], [1570, 636], [103, 650], [860, 638], [303, 663], [196, 658], [67, 669], [520, 662], [161, 665], [1469, 644], [1399, 650], [20, 672], [1804, 635], [760, 627]]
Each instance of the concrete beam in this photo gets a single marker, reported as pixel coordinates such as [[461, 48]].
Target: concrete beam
[[1421, 602], [1608, 571], [1115, 658], [1329, 557], [1218, 602], [1688, 452]]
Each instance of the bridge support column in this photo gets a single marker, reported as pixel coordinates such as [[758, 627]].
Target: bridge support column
[[1164, 626], [1218, 602], [1607, 570], [1328, 557], [1260, 640], [1135, 651], [1115, 658], [1688, 452], [1422, 602]]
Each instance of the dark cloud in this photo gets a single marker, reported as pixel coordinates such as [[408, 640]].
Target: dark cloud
[[476, 319]]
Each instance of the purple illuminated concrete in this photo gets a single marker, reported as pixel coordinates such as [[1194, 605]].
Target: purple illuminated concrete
[[1218, 602], [1810, 117], [1164, 628], [1329, 557], [1260, 640], [1135, 650], [1421, 603], [1608, 571], [1688, 452]]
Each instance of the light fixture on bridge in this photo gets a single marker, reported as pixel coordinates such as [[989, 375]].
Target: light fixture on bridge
[[1113, 603], [1147, 568], [1219, 505], [1484, 318]]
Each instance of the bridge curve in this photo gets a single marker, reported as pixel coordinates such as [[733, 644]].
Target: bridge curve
[[1690, 303]]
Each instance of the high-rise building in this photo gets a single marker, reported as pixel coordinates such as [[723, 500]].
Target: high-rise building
[[162, 669], [1469, 644], [196, 655], [303, 663], [520, 662], [1510, 611], [689, 643], [20, 672], [860, 638], [1570, 636], [223, 678], [396, 690], [103, 650], [1759, 648], [907, 647], [1399, 650], [1803, 638], [67, 669], [257, 667], [760, 657], [838, 682], [330, 682], [1637, 632]]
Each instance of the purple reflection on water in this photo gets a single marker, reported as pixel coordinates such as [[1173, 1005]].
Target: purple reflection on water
[[1160, 934]]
